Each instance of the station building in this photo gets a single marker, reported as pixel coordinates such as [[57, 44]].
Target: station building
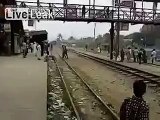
[[11, 32]]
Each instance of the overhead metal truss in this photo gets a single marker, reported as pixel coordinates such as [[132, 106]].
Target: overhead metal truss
[[95, 13]]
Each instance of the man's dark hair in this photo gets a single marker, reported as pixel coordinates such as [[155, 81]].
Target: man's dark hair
[[139, 88]]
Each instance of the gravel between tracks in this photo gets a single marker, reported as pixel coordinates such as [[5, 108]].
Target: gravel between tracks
[[87, 105], [113, 86]]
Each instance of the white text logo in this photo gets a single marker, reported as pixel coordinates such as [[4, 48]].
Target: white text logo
[[28, 13]]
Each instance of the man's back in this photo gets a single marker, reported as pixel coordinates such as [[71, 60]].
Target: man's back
[[134, 108]]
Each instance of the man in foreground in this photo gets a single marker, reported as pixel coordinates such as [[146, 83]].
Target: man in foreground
[[135, 108]]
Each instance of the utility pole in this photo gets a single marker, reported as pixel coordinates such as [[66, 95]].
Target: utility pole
[[94, 2], [65, 2], [117, 39], [154, 9], [112, 38], [95, 22], [95, 31], [38, 3], [117, 33], [94, 7], [112, 33], [89, 7]]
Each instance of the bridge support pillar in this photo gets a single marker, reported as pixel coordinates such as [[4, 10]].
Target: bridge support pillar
[[112, 39]]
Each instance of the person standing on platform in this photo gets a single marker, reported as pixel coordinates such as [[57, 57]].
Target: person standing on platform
[[24, 49], [38, 51], [35, 48], [140, 52], [31, 47], [122, 55], [144, 56], [136, 55], [129, 54], [99, 49], [135, 108], [86, 47], [153, 55]]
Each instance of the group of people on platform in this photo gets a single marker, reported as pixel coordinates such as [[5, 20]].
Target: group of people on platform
[[31, 47], [137, 55], [36, 49]]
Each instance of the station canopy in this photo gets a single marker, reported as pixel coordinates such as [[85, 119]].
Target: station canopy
[[38, 36]]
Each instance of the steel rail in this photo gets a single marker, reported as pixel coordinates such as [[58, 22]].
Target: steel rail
[[69, 95], [149, 77], [114, 115]]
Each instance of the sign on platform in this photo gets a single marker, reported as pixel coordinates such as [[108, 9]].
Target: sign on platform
[[124, 26], [71, 11], [125, 3]]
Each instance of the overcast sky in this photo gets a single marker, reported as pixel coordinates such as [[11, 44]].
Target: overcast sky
[[79, 29]]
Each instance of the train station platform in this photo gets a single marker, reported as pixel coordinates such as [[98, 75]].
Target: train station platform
[[154, 69], [22, 88]]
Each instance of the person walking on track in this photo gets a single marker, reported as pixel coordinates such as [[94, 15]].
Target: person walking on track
[[135, 108], [64, 52]]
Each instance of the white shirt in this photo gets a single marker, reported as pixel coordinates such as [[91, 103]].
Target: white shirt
[[154, 53], [39, 48]]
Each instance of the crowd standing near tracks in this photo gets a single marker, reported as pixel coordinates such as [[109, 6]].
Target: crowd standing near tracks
[[138, 56]]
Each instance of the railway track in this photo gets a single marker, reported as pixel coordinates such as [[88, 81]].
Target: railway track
[[59, 103], [86, 103], [143, 75]]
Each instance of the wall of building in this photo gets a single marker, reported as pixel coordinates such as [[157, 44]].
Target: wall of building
[[9, 42]]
